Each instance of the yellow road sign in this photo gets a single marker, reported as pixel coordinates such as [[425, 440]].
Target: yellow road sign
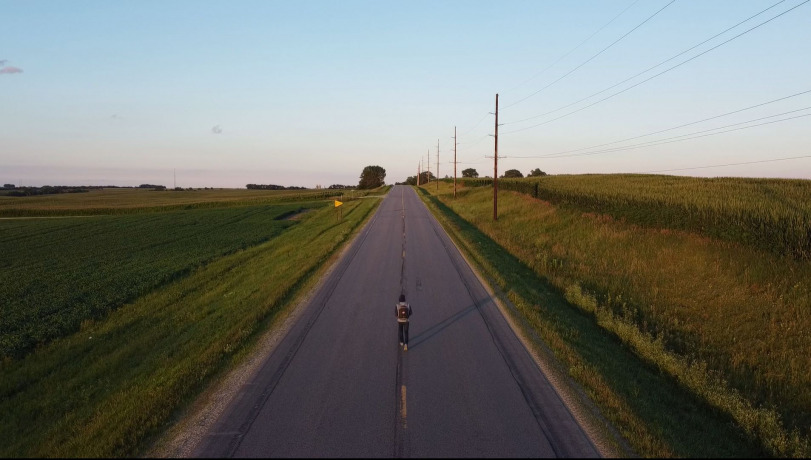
[[337, 203]]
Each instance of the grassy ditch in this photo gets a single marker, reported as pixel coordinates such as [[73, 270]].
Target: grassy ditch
[[106, 389], [692, 347]]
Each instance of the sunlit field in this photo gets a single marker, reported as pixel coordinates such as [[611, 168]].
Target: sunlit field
[[771, 214], [122, 320], [136, 200], [57, 273], [726, 318]]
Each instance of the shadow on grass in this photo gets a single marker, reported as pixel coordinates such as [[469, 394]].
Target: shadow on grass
[[679, 422]]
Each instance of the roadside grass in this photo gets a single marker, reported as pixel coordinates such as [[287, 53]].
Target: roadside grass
[[56, 273], [708, 340], [105, 390]]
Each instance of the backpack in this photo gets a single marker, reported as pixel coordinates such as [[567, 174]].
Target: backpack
[[402, 311]]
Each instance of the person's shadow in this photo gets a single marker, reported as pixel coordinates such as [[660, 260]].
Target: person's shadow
[[440, 326]]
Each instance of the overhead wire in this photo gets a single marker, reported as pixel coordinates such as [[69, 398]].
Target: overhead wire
[[684, 137], [561, 153], [474, 126], [575, 48], [556, 61], [699, 134], [730, 164], [649, 68], [591, 58], [658, 74]]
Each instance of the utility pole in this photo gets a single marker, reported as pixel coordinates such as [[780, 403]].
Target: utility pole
[[419, 165], [429, 166], [174, 177], [454, 161], [495, 169], [437, 165]]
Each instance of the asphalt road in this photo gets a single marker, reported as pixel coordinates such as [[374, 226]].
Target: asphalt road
[[339, 385]]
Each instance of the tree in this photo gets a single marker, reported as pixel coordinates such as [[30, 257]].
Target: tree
[[372, 177], [425, 176], [470, 172], [536, 173], [512, 173]]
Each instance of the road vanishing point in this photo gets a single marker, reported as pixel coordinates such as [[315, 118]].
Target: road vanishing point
[[339, 384]]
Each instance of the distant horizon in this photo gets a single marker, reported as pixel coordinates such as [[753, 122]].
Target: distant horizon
[[312, 91], [197, 185]]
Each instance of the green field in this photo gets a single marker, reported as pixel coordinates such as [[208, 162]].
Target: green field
[[723, 323], [223, 276], [129, 200], [771, 214], [56, 273]]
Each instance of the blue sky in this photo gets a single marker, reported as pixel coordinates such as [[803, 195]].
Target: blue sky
[[308, 93]]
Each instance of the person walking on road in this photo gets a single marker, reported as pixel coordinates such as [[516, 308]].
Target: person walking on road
[[403, 311]]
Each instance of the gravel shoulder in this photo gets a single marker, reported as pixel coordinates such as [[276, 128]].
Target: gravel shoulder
[[180, 440]]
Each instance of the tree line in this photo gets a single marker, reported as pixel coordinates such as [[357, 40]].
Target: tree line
[[472, 173], [273, 187]]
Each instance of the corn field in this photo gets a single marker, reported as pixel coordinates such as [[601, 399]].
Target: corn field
[[770, 214]]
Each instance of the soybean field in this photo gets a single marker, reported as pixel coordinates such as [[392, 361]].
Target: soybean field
[[57, 273]]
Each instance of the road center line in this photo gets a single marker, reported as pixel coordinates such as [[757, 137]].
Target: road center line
[[401, 425], [403, 412]]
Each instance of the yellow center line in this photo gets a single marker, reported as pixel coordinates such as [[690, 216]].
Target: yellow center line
[[403, 405]]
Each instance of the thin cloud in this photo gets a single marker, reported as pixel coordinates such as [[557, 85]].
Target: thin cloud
[[11, 69], [3, 61], [216, 130]]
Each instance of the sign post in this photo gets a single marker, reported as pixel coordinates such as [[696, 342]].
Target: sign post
[[338, 204]]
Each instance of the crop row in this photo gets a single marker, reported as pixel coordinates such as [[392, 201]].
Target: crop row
[[135, 201], [770, 214], [57, 273]]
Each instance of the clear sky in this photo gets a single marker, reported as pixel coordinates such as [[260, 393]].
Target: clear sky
[[307, 93]]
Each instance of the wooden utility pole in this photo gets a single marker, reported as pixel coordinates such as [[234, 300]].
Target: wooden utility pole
[[437, 165], [418, 173], [454, 161], [495, 169]]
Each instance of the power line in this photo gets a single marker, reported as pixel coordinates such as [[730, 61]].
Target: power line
[[591, 58], [477, 141], [684, 137], [556, 154], [699, 134], [561, 58], [658, 74], [730, 164], [648, 69], [477, 124], [675, 139], [573, 49]]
